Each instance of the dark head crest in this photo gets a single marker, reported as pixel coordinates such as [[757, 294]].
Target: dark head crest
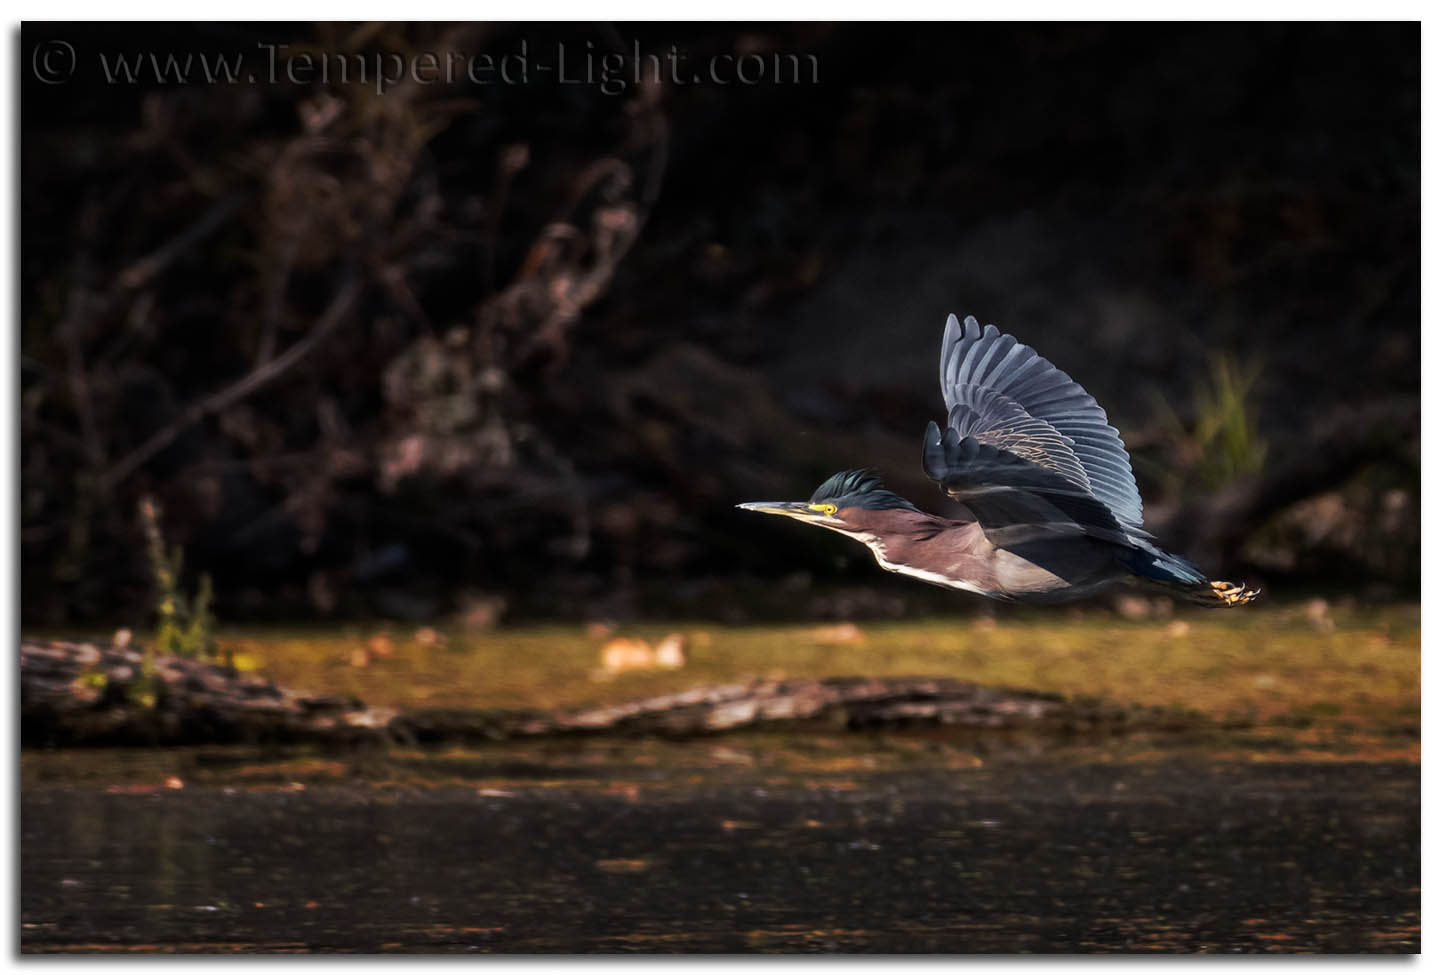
[[857, 489]]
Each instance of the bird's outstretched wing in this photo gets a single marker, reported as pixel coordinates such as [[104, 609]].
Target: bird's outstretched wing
[[1015, 500], [1025, 444]]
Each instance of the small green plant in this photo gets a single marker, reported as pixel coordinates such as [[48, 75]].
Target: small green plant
[[1223, 442], [184, 627], [1226, 425]]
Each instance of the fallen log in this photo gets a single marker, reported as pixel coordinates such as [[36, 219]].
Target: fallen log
[[78, 693]]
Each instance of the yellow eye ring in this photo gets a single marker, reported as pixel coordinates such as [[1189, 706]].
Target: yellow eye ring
[[825, 509]]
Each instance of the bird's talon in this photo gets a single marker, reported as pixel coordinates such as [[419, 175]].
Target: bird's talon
[[1235, 595]]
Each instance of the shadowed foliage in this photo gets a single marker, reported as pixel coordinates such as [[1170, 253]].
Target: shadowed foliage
[[391, 352]]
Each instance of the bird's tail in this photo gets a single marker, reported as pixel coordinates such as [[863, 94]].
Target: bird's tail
[[1176, 574]]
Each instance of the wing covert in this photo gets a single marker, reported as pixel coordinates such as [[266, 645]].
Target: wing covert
[[1008, 493]]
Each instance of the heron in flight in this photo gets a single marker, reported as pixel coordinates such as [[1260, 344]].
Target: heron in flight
[[1054, 509]]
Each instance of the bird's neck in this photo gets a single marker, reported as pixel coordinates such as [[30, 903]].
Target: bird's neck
[[894, 531]]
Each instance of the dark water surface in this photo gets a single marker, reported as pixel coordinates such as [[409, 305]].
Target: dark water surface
[[522, 853]]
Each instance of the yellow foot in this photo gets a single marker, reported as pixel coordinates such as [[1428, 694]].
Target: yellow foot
[[1234, 595]]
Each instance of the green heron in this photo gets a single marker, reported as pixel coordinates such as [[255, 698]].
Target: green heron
[[1054, 509]]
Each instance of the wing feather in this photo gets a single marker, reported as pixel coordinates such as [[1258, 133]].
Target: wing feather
[[1010, 493], [1004, 396]]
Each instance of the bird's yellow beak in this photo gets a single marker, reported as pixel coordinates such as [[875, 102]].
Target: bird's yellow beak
[[800, 510]]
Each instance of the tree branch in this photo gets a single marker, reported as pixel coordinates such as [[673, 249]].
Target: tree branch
[[241, 388], [148, 267]]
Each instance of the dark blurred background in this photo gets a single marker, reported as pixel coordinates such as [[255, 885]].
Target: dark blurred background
[[518, 348]]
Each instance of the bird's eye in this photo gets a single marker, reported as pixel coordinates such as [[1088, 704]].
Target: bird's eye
[[825, 509]]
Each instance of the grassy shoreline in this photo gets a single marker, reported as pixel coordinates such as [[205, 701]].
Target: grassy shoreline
[[1265, 665]]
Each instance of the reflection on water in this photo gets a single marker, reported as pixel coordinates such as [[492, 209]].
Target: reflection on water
[[589, 851]]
